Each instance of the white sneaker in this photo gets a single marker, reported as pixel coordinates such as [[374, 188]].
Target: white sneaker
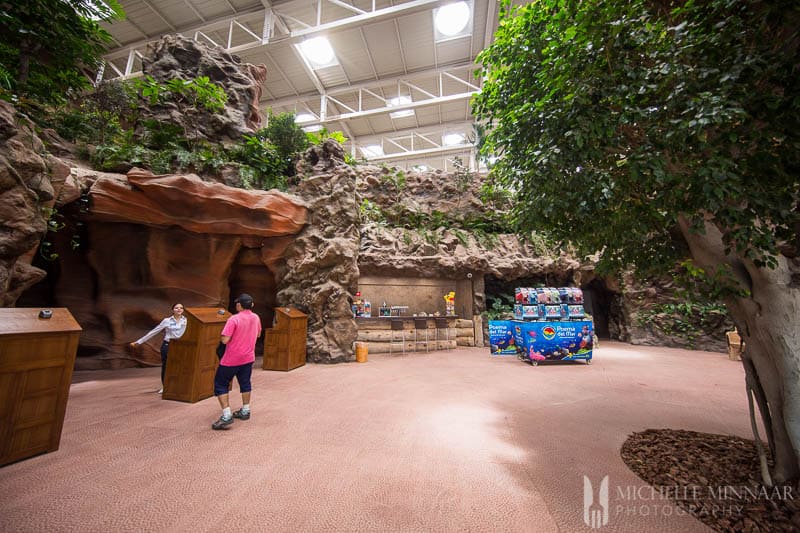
[[161, 390]]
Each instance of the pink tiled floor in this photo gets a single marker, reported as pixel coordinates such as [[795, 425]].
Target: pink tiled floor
[[445, 441]]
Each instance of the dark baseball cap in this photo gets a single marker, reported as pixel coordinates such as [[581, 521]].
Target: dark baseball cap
[[244, 299]]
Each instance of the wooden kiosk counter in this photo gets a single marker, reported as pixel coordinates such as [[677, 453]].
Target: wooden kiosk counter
[[192, 359], [37, 356], [285, 344]]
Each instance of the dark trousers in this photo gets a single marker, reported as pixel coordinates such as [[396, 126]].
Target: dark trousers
[[164, 350]]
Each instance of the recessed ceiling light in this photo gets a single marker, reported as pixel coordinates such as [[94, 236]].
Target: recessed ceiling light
[[398, 101], [452, 19], [304, 117], [372, 150], [453, 139], [318, 52]]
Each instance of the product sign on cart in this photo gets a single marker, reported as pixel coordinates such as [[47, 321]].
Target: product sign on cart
[[501, 338], [553, 340]]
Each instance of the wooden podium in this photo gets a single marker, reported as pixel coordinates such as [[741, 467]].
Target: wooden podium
[[192, 360], [285, 344], [37, 356]]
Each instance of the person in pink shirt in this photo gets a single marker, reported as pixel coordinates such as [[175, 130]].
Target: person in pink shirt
[[239, 337]]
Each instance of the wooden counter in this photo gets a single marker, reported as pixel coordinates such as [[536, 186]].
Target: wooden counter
[[377, 332], [37, 356], [192, 360]]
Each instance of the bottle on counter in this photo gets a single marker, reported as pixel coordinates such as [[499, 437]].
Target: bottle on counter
[[367, 308], [358, 305]]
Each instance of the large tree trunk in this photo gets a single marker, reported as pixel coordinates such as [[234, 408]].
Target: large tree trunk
[[769, 323]]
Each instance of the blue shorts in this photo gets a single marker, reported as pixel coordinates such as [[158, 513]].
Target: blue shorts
[[225, 374]]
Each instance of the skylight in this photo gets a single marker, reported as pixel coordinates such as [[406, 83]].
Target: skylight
[[398, 101], [452, 139], [372, 150], [452, 20], [302, 118], [318, 52]]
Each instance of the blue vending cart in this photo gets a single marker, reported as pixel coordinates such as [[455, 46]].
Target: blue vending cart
[[552, 340]]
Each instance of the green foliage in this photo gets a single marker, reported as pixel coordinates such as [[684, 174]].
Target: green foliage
[[499, 307], [288, 138], [686, 320], [262, 166], [47, 43], [485, 239], [462, 237], [371, 212], [543, 246], [55, 222], [462, 175], [319, 137], [615, 117], [190, 96]]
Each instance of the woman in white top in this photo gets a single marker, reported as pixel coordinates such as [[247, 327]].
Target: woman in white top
[[174, 326]]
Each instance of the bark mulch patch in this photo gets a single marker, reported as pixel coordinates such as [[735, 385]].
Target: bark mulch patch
[[715, 478]]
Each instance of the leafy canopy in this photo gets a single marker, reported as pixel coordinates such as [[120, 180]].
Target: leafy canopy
[[614, 117], [47, 43]]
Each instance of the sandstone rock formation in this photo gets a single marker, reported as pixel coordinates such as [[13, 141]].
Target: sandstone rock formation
[[174, 56], [30, 180], [320, 272], [150, 241]]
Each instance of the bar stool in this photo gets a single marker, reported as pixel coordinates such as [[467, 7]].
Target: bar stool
[[441, 324], [420, 324], [397, 326]]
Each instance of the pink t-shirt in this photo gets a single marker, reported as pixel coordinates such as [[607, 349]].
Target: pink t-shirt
[[243, 328]]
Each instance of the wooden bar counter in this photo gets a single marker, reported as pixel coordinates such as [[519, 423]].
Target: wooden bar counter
[[37, 356], [377, 331]]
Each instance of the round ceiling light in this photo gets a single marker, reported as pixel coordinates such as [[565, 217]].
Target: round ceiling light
[[452, 18]]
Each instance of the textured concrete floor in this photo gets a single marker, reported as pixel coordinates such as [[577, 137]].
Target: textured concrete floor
[[446, 441]]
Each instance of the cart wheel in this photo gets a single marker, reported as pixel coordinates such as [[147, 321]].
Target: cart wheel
[[534, 363], [588, 361]]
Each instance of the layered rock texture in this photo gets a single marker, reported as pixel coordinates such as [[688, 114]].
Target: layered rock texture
[[320, 270], [174, 56], [147, 242], [30, 181]]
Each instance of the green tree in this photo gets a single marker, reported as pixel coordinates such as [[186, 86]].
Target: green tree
[[287, 137], [47, 44], [660, 131]]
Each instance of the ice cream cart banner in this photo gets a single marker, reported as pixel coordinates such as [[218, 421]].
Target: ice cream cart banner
[[501, 338], [554, 341]]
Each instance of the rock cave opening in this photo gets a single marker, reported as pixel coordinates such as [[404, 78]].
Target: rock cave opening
[[598, 301], [250, 275], [598, 298]]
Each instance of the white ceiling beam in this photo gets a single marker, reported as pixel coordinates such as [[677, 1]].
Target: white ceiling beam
[[461, 148], [296, 36], [491, 23], [374, 85], [412, 105], [354, 9], [422, 132]]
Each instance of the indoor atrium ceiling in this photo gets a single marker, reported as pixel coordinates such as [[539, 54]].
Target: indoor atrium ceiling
[[398, 88]]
